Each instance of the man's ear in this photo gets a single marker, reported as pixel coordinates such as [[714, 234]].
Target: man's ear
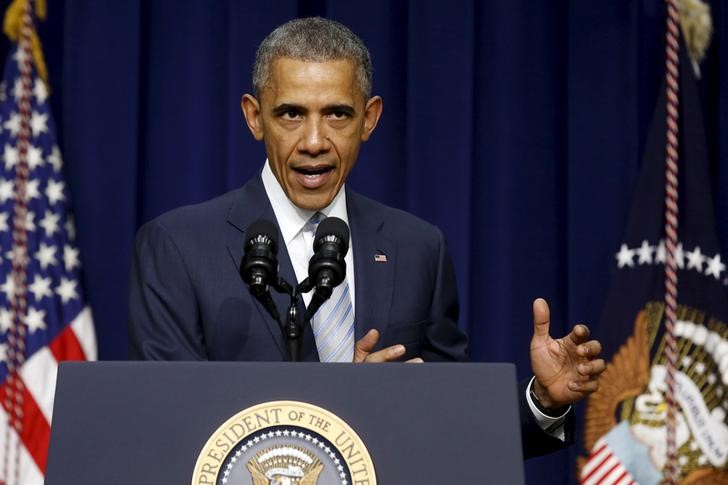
[[372, 112], [251, 111]]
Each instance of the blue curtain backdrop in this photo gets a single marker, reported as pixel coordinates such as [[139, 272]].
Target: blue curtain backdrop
[[516, 126]]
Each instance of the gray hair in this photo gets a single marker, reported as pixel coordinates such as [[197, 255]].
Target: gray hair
[[312, 39]]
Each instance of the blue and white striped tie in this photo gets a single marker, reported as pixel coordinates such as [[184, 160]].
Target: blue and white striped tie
[[333, 323]]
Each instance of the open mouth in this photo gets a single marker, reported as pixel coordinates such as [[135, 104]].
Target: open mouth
[[313, 177], [313, 171]]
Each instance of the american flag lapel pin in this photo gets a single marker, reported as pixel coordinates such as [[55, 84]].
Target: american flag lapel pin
[[380, 258]]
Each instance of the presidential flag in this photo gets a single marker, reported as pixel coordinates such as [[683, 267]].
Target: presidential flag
[[625, 433], [43, 316]]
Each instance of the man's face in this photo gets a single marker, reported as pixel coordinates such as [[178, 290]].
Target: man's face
[[312, 117]]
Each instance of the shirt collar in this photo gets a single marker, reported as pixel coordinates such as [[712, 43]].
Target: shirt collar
[[292, 218]]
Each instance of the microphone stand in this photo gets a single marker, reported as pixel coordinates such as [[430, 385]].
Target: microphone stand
[[292, 327]]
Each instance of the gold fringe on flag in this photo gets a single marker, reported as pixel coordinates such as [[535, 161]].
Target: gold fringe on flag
[[13, 23]]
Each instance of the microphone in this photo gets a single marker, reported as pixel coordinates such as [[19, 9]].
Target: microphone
[[259, 268], [327, 268]]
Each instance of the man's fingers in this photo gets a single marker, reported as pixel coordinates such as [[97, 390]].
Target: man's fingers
[[364, 346], [586, 387], [590, 349], [579, 334], [541, 318], [416, 360], [592, 369], [386, 355]]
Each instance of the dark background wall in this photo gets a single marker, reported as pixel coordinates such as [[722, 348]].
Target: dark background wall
[[517, 127]]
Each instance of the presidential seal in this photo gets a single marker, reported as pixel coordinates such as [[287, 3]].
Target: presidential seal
[[625, 427], [284, 443]]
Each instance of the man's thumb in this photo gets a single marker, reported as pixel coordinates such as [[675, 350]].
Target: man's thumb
[[365, 345], [541, 318]]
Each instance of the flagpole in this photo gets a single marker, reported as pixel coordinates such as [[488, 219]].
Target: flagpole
[[672, 61]]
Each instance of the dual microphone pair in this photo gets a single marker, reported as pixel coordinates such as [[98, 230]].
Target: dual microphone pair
[[326, 270]]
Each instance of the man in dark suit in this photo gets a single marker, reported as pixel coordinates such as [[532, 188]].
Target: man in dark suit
[[312, 108]]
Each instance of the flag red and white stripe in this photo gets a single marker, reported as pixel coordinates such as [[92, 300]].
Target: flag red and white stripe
[[604, 468]]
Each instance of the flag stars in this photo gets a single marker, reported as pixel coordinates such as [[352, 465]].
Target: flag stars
[[13, 124], [18, 255], [9, 287], [19, 57], [50, 223], [7, 190], [10, 156], [70, 258], [625, 256], [4, 222], [40, 90], [31, 190], [41, 287], [18, 89], [695, 259], [35, 157], [684, 260], [54, 191], [680, 256], [30, 221], [715, 267], [3, 352], [55, 159], [67, 290], [39, 123], [644, 253], [35, 320], [6, 320], [46, 255]]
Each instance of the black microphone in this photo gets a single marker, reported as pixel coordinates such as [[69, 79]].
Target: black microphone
[[259, 268], [327, 268]]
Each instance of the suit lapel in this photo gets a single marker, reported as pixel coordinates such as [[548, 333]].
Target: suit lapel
[[251, 205], [374, 260]]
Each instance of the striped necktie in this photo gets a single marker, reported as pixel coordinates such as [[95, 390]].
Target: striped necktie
[[333, 323]]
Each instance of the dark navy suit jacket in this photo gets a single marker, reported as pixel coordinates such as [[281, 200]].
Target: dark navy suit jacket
[[188, 301]]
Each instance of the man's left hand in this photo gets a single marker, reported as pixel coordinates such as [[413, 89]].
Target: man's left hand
[[364, 350], [566, 369]]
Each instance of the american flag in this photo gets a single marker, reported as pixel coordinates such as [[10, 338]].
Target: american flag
[[43, 316]]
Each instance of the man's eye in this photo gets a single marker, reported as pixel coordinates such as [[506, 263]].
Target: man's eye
[[291, 115], [339, 115]]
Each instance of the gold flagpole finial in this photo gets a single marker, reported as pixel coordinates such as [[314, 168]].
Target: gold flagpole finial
[[696, 24], [12, 25]]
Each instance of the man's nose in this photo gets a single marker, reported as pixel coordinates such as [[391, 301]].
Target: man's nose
[[315, 139]]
